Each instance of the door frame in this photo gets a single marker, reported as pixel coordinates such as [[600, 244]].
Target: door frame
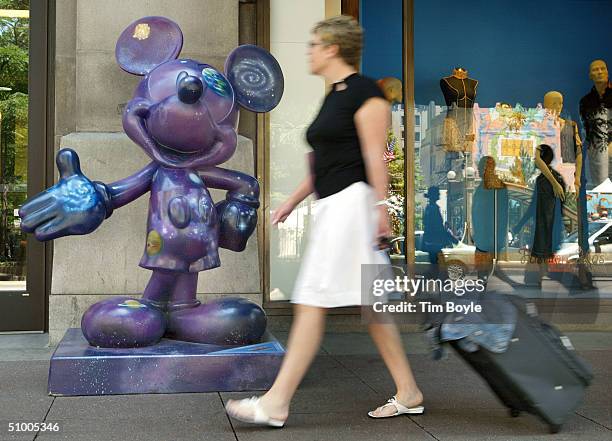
[[27, 311]]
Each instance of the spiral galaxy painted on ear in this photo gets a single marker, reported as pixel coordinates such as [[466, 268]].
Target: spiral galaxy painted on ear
[[256, 77]]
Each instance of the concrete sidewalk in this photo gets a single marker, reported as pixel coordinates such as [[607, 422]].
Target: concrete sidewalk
[[347, 379]]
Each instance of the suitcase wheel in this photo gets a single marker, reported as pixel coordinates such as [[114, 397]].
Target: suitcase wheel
[[514, 413], [554, 428]]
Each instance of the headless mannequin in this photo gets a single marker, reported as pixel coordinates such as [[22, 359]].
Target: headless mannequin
[[458, 89], [459, 94], [546, 212]]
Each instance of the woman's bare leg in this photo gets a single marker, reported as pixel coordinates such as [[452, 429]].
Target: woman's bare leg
[[388, 341], [303, 344]]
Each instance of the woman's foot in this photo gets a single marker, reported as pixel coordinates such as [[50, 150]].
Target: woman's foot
[[257, 410], [400, 404]]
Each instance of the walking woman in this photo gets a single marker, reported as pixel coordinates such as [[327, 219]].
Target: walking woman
[[349, 177]]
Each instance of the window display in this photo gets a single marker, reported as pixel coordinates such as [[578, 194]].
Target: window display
[[511, 91], [477, 110]]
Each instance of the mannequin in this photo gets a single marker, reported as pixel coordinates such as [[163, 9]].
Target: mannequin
[[571, 145], [484, 218], [546, 211], [458, 89], [392, 88], [571, 151], [459, 94], [596, 114]]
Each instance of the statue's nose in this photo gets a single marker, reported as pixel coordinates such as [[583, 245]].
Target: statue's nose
[[189, 88]]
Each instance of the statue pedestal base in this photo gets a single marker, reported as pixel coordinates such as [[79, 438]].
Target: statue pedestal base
[[170, 366]]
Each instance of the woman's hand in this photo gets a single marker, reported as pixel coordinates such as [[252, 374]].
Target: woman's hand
[[282, 212], [384, 226], [305, 188]]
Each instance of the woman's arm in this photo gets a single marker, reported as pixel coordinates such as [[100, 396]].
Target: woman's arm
[[372, 120], [302, 191], [306, 187]]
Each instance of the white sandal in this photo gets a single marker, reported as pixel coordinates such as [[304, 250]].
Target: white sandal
[[400, 409], [256, 413]]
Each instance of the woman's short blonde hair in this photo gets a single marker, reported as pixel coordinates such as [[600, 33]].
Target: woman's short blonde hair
[[345, 32]]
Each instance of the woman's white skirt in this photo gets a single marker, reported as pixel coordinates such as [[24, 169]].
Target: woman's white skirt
[[342, 238]]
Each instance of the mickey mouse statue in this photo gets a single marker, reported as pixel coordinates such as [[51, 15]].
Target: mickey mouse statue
[[184, 115]]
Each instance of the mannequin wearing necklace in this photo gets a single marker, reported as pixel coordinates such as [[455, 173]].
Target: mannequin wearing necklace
[[458, 89], [459, 94], [571, 145]]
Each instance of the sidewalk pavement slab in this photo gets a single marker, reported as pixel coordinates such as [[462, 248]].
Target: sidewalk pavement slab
[[347, 379], [335, 426], [489, 424]]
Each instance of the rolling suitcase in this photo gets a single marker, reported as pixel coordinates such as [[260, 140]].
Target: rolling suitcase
[[539, 373]]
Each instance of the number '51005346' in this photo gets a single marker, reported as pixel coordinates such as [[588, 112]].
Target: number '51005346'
[[33, 427]]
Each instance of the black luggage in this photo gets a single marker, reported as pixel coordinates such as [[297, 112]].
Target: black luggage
[[539, 373]]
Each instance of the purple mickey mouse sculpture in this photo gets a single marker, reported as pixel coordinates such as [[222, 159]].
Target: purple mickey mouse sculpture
[[184, 115]]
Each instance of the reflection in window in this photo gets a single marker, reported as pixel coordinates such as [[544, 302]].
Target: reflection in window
[[290, 25], [14, 56]]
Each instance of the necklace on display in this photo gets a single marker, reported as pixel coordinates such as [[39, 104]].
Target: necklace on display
[[460, 73]]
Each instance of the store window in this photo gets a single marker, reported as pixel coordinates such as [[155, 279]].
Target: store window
[[290, 25], [24, 134], [492, 93], [489, 89], [14, 41]]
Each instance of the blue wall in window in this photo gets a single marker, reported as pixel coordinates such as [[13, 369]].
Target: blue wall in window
[[518, 50]]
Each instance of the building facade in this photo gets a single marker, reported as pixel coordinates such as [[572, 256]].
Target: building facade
[[70, 92]]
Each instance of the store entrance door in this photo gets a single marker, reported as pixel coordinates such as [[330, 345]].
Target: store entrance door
[[23, 51]]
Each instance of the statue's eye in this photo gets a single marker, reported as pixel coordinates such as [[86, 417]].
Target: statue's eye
[[217, 82]]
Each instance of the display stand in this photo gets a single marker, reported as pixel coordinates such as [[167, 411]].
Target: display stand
[[171, 366]]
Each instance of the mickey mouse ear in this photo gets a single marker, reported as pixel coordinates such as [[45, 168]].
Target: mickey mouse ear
[[148, 42], [256, 77]]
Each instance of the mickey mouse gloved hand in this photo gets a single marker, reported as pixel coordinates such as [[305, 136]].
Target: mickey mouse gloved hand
[[238, 219]]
